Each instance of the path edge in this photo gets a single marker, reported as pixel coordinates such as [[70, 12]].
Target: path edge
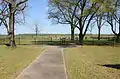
[[65, 69], [31, 63]]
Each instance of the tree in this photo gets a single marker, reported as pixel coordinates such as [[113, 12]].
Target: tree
[[100, 23], [89, 10], [13, 8], [85, 13], [113, 19], [75, 13], [36, 32], [3, 15], [82, 11], [59, 12]]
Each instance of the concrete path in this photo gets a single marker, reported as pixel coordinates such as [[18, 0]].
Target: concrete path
[[49, 65]]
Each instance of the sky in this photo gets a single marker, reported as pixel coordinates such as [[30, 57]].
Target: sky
[[36, 13]]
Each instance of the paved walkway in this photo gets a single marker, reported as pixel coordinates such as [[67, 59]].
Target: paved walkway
[[49, 66]]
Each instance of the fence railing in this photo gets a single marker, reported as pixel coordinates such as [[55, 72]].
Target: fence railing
[[56, 40]]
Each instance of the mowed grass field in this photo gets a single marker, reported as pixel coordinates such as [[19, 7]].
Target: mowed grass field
[[13, 61], [93, 62]]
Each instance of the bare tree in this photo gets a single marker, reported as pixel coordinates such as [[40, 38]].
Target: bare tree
[[13, 8], [36, 32]]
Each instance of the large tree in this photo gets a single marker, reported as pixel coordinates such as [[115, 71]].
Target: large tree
[[113, 20], [84, 14], [88, 10], [79, 13], [62, 12], [13, 7]]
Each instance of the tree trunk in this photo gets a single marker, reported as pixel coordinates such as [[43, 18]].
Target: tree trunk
[[72, 33], [81, 36], [11, 27], [98, 33]]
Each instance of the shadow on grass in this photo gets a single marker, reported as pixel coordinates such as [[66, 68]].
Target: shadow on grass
[[98, 43], [115, 66], [50, 42], [67, 44]]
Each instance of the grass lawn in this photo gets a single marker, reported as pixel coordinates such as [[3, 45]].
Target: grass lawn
[[93, 62], [13, 61]]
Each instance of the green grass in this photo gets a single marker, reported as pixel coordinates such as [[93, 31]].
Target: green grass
[[86, 62], [13, 61]]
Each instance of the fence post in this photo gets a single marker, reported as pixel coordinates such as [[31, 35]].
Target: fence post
[[51, 39], [19, 39], [114, 41]]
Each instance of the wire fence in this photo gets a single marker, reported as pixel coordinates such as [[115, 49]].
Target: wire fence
[[57, 40]]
